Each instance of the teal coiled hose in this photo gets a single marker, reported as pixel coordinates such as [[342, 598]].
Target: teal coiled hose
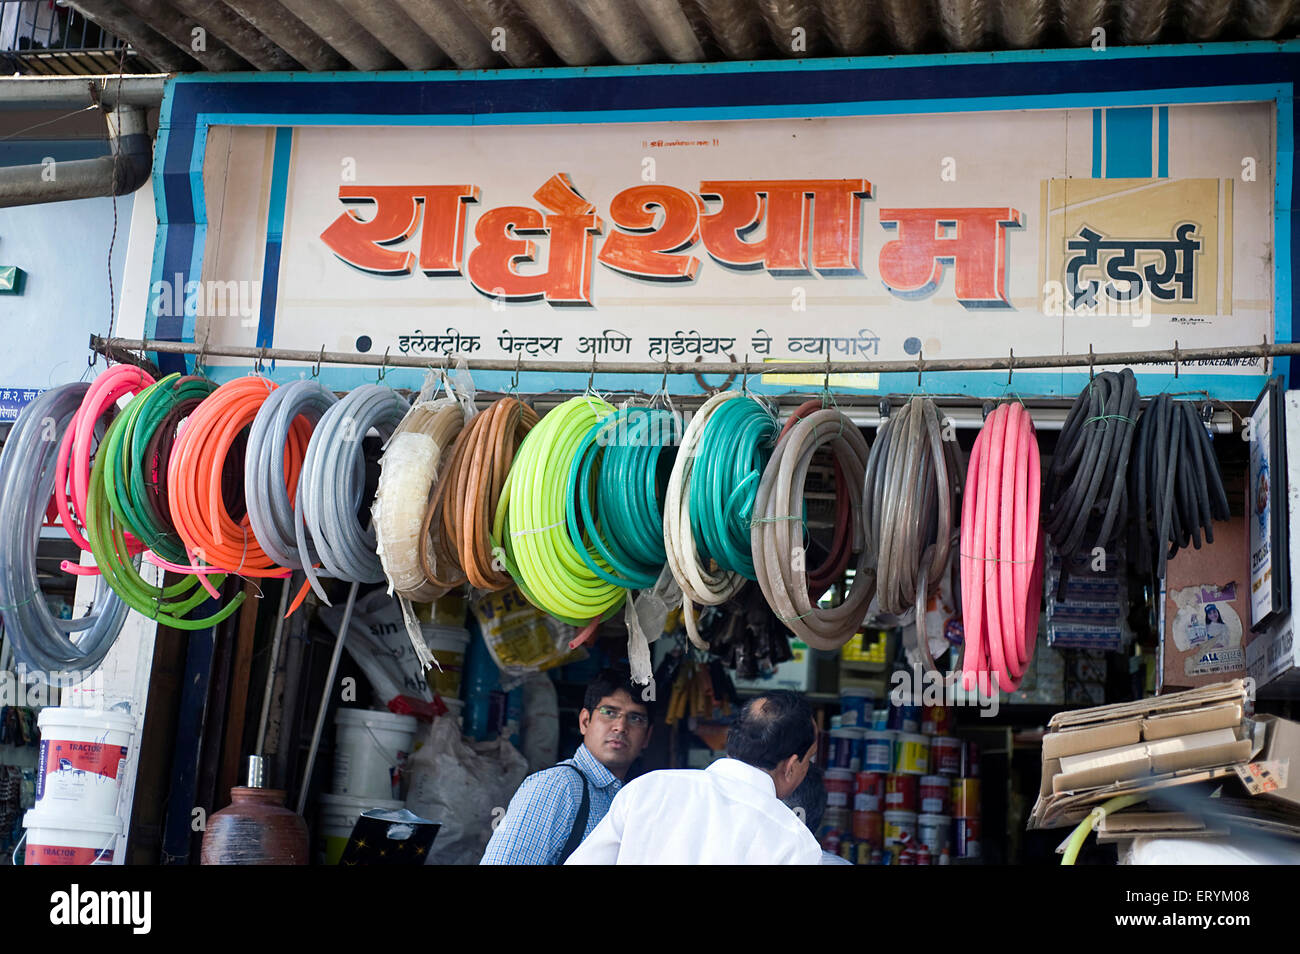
[[733, 450], [618, 464]]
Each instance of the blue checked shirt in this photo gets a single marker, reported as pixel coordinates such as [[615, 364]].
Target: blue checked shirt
[[543, 810]]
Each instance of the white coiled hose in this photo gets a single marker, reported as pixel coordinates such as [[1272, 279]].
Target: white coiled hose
[[326, 517], [270, 502], [407, 473]]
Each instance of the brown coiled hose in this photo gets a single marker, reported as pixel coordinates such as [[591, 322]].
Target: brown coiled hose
[[458, 522], [776, 533]]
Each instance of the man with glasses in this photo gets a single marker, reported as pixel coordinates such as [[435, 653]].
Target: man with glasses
[[555, 809], [728, 814]]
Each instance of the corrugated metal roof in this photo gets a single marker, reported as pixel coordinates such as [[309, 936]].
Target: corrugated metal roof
[[320, 35]]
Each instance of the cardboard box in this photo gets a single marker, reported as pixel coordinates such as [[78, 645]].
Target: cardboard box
[[1092, 755], [1207, 611]]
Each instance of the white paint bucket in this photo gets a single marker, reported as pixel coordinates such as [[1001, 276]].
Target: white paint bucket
[[338, 815], [370, 750], [83, 754], [56, 837]]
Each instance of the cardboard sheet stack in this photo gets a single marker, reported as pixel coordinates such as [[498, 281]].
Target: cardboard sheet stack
[[1179, 750]]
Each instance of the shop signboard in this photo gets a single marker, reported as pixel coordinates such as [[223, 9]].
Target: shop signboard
[[865, 231]]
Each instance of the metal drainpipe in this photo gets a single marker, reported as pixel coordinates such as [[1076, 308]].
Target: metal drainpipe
[[120, 173]]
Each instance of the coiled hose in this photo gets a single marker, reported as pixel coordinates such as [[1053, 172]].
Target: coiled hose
[[72, 477], [830, 570], [1090, 465], [617, 463], [408, 472], [268, 495], [327, 520], [1174, 481], [28, 466], [909, 501], [776, 531], [143, 462], [457, 528], [531, 523], [1001, 551], [702, 581], [106, 520], [214, 526]]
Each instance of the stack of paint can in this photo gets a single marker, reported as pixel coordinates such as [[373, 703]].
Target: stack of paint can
[[966, 804]]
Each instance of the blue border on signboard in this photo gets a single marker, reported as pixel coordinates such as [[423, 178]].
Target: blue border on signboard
[[1112, 79]]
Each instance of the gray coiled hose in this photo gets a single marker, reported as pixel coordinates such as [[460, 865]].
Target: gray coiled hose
[[27, 466], [776, 531], [912, 479], [326, 521], [270, 507]]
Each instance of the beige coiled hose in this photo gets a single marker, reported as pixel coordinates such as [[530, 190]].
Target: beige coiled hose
[[776, 533]]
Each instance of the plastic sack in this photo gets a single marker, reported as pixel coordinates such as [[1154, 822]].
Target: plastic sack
[[378, 643], [461, 785], [520, 637], [541, 723]]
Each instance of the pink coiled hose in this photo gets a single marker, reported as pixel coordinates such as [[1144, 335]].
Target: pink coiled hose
[[1001, 551]]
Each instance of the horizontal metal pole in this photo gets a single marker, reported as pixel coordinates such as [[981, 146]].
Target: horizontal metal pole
[[58, 92], [1181, 356]]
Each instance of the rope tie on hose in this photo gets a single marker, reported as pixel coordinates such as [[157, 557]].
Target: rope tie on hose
[[546, 564], [1000, 519], [457, 527], [530, 530], [332, 485], [28, 468], [701, 580], [783, 579]]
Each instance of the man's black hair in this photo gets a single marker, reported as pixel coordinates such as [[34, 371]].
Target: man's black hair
[[609, 682], [811, 797], [771, 728]]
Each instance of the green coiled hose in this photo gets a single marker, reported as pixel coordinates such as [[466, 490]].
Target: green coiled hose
[[106, 522], [531, 526]]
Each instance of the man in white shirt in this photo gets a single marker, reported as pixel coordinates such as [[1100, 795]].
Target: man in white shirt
[[728, 814]]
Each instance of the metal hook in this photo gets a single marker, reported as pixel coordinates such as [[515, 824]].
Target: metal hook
[[315, 372], [199, 364], [591, 378], [1011, 364], [920, 363], [257, 368], [744, 381], [1090, 360], [663, 383], [1175, 358], [383, 367], [514, 382]]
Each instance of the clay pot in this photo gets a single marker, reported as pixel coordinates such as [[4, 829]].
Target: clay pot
[[256, 829]]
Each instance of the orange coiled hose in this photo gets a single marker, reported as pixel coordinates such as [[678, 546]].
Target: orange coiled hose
[[199, 510], [458, 521]]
